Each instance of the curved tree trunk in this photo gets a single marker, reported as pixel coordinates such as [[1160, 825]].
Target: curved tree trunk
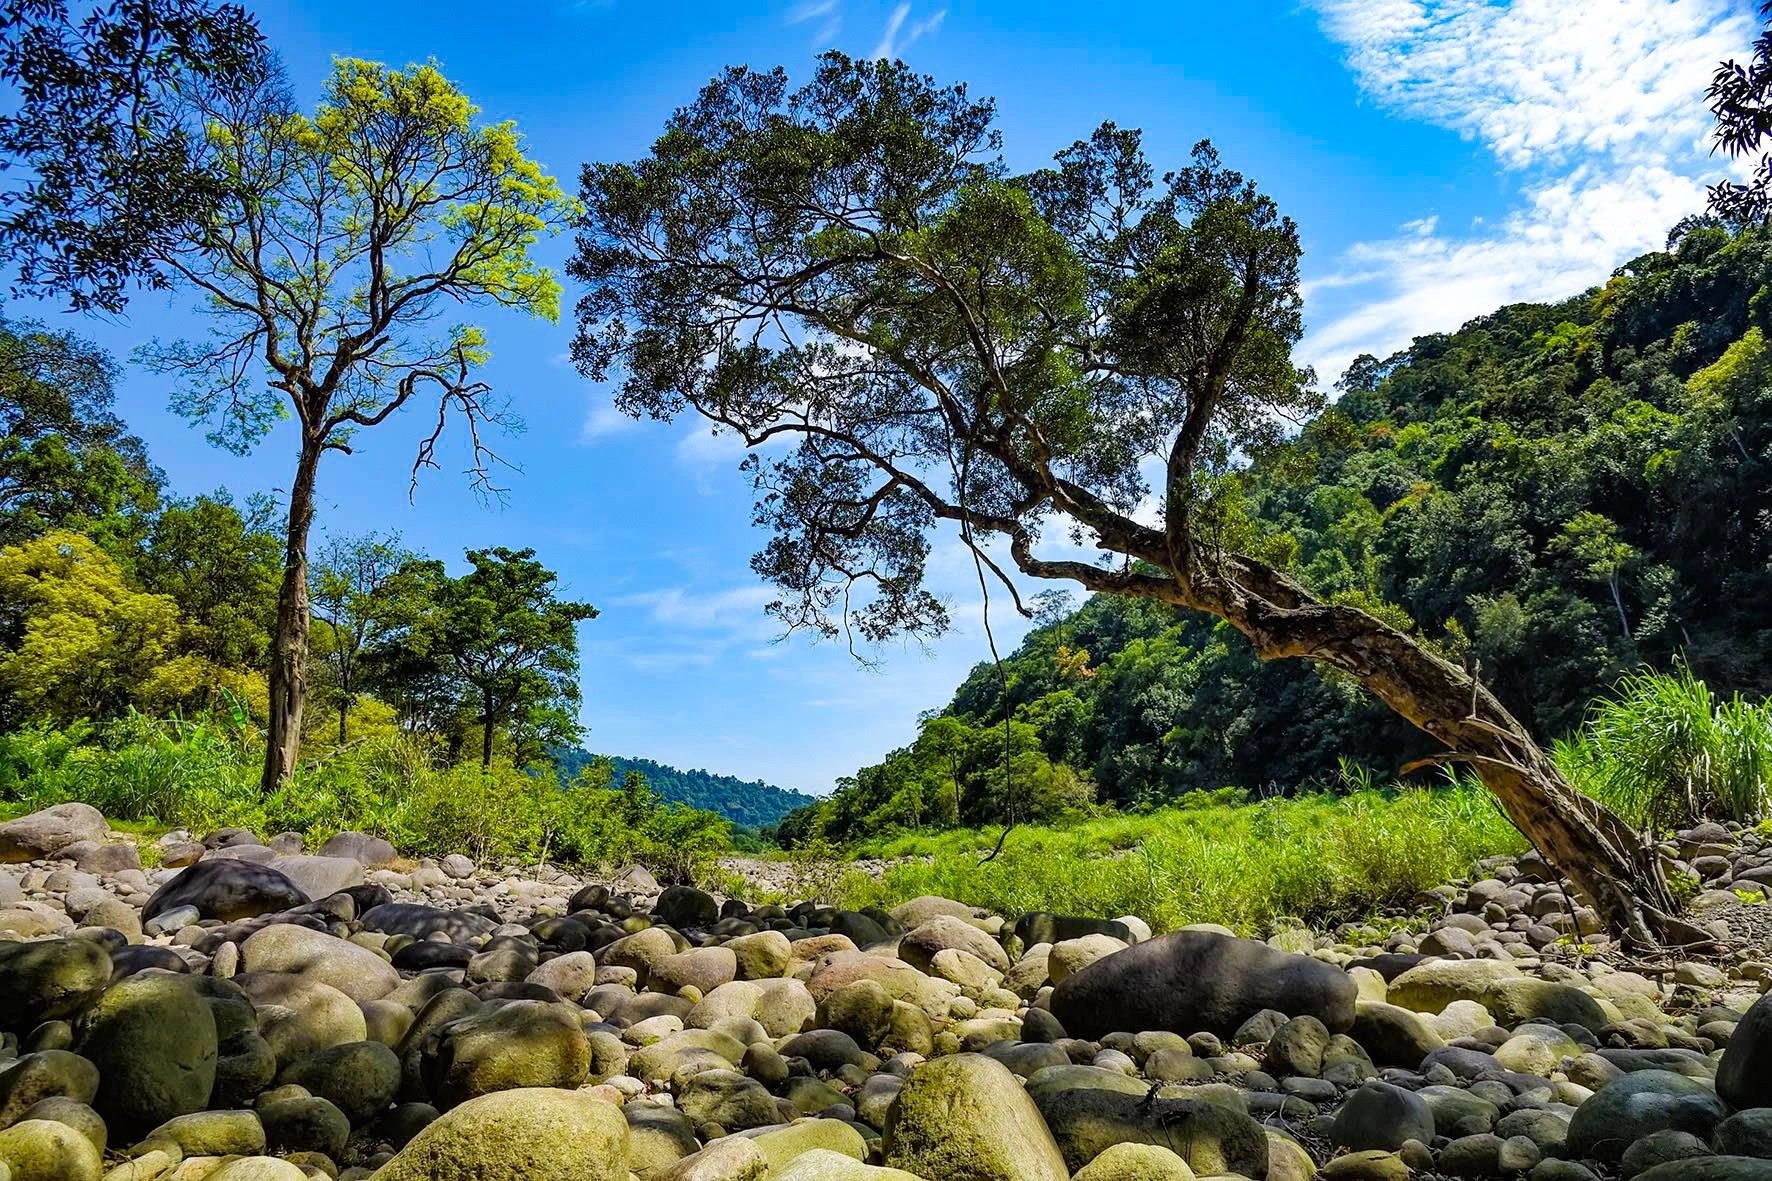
[[289, 646], [1615, 868]]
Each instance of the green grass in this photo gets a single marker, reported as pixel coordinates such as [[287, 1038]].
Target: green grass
[[1316, 859], [1664, 751]]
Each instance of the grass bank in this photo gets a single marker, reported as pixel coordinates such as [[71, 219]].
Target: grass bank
[[1318, 859]]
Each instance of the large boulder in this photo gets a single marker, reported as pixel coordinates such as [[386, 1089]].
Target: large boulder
[[359, 847], [227, 889], [45, 834], [521, 1044], [531, 1134], [355, 971], [1194, 981], [1090, 1109], [421, 922], [49, 979], [1744, 1077], [965, 1117], [1637, 1104], [153, 1040], [320, 877]]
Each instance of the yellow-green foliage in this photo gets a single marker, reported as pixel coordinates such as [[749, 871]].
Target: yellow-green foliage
[[1318, 858]]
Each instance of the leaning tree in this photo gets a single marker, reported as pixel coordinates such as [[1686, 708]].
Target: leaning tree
[[850, 269]]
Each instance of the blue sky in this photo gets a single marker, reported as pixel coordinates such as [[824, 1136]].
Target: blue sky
[[1441, 157]]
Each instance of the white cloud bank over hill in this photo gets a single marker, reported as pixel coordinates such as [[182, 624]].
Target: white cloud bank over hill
[[1597, 106]]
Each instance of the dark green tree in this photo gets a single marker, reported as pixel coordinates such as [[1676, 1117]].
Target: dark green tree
[[66, 460], [98, 179], [851, 268], [220, 562], [510, 643]]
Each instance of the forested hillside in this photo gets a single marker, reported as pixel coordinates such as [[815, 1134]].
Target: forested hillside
[[749, 803], [1554, 494]]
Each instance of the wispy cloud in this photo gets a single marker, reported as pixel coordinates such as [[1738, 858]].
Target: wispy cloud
[[828, 15], [901, 32], [605, 420], [1596, 108]]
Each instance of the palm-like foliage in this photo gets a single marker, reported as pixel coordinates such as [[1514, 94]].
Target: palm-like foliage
[[1665, 750]]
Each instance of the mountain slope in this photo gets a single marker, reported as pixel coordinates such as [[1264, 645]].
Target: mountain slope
[[747, 803], [1554, 495]]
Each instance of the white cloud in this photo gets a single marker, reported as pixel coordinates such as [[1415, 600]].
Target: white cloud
[[737, 609], [1596, 107], [605, 420], [901, 32], [828, 14]]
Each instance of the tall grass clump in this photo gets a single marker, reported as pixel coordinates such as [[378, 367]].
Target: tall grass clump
[[1664, 751], [1317, 859]]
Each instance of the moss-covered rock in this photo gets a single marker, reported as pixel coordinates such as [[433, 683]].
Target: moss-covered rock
[[1136, 1162], [966, 1118], [360, 1078], [153, 1041], [530, 1134], [49, 979], [45, 1150], [523, 1044]]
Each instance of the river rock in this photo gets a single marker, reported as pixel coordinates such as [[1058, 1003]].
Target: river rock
[[314, 955], [153, 1041], [965, 1117], [44, 834], [49, 979], [1642, 1102], [226, 889], [528, 1134], [1744, 1077], [1193, 981]]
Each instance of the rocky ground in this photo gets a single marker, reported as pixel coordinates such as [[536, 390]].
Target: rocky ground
[[252, 1011]]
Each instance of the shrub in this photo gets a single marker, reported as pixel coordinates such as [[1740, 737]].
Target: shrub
[[1663, 751], [203, 774]]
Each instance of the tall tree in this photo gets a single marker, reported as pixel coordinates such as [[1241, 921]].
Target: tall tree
[[97, 179], [337, 243], [354, 581], [511, 642], [66, 460], [852, 268]]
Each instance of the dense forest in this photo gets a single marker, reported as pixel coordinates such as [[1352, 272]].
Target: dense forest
[[1553, 495], [748, 803]]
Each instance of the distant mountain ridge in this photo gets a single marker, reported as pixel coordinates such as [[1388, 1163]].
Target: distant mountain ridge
[[750, 803]]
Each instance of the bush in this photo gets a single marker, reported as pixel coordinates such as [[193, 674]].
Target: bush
[[203, 774], [1665, 752]]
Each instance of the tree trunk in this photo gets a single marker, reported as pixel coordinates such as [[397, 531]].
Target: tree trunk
[[1614, 868], [289, 646], [1618, 601], [343, 708], [486, 734]]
